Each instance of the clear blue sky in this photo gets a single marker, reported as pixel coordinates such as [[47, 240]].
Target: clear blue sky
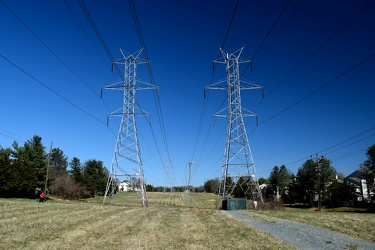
[[316, 99]]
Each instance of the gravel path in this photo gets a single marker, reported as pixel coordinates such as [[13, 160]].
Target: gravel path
[[300, 235]]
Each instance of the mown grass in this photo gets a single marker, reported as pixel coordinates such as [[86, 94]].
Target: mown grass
[[165, 224], [351, 222]]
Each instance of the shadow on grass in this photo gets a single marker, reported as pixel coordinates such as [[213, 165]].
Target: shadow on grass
[[336, 209], [298, 206], [351, 210]]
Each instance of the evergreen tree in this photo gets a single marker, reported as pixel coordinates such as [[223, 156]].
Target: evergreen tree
[[76, 170], [293, 193], [308, 176], [36, 156], [95, 177], [274, 181], [279, 180], [6, 172], [368, 169], [341, 191], [243, 188], [25, 174], [58, 163]]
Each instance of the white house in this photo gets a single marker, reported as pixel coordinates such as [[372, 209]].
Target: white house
[[357, 179], [124, 186]]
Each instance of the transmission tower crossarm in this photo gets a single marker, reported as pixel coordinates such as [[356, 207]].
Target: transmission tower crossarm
[[127, 153], [238, 169]]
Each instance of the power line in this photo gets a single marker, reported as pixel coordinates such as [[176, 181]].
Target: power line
[[157, 103], [349, 155], [294, 163], [313, 53], [11, 137], [320, 47], [349, 139], [51, 90], [102, 41], [308, 58], [349, 144], [100, 37], [278, 34], [23, 139], [230, 24], [204, 104], [53, 53], [84, 31], [97, 50], [273, 26], [50, 50], [318, 89], [214, 68], [338, 144]]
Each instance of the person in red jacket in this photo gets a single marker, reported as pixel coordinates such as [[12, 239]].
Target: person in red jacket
[[41, 197]]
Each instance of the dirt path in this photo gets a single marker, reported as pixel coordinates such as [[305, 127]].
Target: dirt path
[[300, 235], [188, 201]]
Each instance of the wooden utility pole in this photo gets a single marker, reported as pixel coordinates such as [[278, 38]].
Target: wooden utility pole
[[48, 162], [319, 172]]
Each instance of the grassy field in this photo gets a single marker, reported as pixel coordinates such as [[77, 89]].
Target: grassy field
[[356, 223], [166, 224], [172, 221]]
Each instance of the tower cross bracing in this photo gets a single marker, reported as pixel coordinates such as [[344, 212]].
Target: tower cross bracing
[[238, 169], [127, 160]]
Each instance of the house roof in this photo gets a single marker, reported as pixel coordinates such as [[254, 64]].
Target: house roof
[[356, 174]]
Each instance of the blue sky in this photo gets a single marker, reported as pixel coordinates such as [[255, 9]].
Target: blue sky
[[318, 85]]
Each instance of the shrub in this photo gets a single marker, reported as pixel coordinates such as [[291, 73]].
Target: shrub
[[66, 188]]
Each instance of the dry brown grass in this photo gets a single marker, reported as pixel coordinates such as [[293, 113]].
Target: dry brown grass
[[354, 223], [166, 224]]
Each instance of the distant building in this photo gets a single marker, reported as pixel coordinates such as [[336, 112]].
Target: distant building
[[359, 182], [124, 186]]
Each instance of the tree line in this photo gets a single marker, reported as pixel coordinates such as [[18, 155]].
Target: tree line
[[23, 172], [313, 177]]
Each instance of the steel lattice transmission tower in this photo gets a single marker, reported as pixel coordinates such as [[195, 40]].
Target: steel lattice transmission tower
[[127, 160], [169, 183], [189, 177], [238, 169]]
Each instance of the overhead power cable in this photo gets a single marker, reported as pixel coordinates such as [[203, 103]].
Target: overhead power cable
[[349, 139], [100, 37], [230, 24], [51, 90], [349, 144], [48, 48], [349, 155], [278, 34], [204, 104], [86, 34], [11, 137], [156, 99], [307, 59], [23, 139], [319, 48], [269, 32], [225, 38], [97, 50], [318, 89], [53, 53], [338, 144]]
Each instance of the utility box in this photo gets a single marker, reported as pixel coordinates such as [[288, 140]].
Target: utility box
[[234, 204]]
